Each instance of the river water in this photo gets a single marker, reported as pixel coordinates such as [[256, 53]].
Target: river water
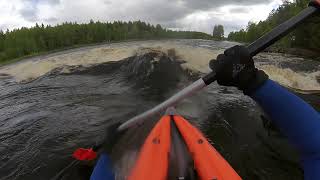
[[50, 105]]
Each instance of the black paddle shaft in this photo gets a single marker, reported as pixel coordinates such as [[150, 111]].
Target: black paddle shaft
[[274, 35]]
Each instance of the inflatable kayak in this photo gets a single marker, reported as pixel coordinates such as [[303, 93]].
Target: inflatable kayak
[[174, 149], [154, 158]]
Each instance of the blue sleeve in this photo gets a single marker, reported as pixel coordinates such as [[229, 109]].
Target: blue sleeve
[[297, 120], [103, 169]]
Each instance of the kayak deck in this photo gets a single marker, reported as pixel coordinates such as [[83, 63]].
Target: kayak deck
[[154, 158]]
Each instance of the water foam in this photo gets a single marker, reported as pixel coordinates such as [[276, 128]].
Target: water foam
[[291, 79], [195, 59], [31, 69]]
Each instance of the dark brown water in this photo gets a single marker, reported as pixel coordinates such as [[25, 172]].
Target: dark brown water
[[43, 121]]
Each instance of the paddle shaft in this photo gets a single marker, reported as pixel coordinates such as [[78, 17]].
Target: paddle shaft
[[254, 48]]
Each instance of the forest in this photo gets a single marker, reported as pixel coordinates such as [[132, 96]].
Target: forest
[[306, 36], [40, 38]]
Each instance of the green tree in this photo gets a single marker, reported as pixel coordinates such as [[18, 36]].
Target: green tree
[[218, 32], [26, 41], [306, 36]]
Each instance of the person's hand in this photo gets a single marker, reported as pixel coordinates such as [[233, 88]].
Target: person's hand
[[236, 68]]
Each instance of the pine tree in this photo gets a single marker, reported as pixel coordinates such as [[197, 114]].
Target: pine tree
[[218, 32], [40, 38]]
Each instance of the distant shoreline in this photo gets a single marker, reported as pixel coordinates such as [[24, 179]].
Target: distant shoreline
[[305, 53], [46, 54], [69, 49], [59, 51]]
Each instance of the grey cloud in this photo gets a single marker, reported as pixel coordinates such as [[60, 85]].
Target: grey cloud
[[172, 14], [51, 2], [51, 20], [169, 13], [29, 14], [29, 11], [160, 11], [212, 4], [207, 24], [239, 10], [107, 2]]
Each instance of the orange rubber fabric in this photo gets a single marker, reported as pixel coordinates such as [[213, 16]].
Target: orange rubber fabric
[[208, 163], [153, 159]]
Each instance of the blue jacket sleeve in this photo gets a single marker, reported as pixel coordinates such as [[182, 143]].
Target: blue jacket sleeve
[[297, 120], [103, 169]]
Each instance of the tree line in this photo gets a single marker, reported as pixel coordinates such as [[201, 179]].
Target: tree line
[[306, 36], [40, 38], [218, 32]]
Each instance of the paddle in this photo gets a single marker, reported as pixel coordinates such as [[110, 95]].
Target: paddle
[[254, 48]]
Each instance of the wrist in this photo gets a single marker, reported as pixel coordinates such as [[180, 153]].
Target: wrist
[[259, 79]]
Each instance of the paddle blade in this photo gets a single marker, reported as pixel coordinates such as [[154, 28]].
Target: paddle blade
[[82, 154]]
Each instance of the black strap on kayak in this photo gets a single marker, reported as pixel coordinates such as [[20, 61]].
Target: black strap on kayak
[[275, 34]]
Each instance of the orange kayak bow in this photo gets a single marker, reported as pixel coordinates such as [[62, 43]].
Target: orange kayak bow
[[154, 158]]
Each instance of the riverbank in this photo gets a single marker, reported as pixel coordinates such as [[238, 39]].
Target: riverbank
[[46, 54], [305, 53]]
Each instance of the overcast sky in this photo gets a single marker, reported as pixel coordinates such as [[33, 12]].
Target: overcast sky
[[199, 15]]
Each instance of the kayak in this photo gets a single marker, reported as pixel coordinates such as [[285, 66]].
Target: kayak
[[154, 157], [172, 137], [174, 149]]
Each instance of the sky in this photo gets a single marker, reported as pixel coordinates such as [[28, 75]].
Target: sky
[[197, 15]]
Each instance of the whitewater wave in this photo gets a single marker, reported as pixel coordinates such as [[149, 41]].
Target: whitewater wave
[[295, 80], [32, 69], [197, 58], [192, 58]]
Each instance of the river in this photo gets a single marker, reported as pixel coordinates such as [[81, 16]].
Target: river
[[50, 105]]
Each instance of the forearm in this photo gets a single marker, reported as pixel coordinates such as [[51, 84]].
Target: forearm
[[295, 118]]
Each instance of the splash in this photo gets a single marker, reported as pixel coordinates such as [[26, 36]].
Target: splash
[[193, 56], [294, 80], [32, 69], [28, 70]]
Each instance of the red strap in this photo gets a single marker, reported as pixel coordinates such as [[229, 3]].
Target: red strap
[[82, 154]]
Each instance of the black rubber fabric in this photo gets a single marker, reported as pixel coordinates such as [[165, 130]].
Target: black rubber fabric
[[236, 68], [315, 3], [260, 78]]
